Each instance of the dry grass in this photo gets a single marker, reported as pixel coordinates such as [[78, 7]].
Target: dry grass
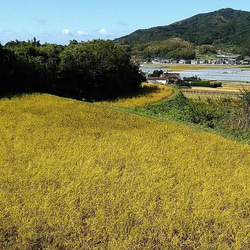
[[227, 90], [74, 175]]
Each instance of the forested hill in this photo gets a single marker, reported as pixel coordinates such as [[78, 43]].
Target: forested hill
[[223, 27]]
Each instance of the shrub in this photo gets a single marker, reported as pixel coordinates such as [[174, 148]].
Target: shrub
[[194, 81]]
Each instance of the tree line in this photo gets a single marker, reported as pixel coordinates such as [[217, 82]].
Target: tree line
[[93, 70]]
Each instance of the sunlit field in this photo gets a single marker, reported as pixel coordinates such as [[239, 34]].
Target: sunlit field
[[180, 67], [149, 93], [74, 175]]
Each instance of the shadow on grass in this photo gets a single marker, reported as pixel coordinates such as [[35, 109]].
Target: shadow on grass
[[143, 91]]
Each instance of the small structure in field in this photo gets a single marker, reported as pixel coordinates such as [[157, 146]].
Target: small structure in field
[[166, 78], [172, 78]]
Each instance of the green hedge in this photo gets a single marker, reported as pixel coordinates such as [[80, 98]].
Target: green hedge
[[202, 83]]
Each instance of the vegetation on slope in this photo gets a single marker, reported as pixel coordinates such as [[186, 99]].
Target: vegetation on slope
[[74, 175], [170, 48], [224, 115], [225, 29]]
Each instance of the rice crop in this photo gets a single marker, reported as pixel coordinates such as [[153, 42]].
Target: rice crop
[[149, 93], [75, 175]]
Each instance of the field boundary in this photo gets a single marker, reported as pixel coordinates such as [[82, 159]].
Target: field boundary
[[210, 91]]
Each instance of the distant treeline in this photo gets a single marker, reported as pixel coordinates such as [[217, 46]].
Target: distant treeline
[[92, 70]]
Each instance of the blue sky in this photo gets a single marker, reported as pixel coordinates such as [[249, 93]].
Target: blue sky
[[59, 21]]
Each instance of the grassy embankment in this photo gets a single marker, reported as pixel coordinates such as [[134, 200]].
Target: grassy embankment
[[75, 175], [216, 110]]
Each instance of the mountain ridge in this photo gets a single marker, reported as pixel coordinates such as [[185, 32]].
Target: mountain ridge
[[224, 27]]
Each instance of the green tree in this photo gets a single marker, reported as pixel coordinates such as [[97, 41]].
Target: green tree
[[157, 73], [31, 67], [205, 49], [98, 69]]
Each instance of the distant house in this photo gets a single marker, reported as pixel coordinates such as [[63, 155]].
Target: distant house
[[174, 61], [159, 80], [233, 61], [171, 78], [203, 62], [195, 61], [182, 61], [166, 78], [246, 61]]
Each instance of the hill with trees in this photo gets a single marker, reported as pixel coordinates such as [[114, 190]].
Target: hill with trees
[[170, 48], [225, 28]]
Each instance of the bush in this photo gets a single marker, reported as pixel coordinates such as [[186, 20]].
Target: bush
[[156, 73], [199, 83], [195, 81]]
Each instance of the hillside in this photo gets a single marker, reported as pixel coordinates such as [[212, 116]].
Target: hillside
[[75, 175], [225, 27]]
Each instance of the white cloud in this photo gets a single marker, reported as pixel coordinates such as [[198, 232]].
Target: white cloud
[[82, 33], [66, 32], [105, 32]]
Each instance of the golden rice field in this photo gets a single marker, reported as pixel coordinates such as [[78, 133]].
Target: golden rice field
[[180, 67], [150, 93], [75, 175]]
